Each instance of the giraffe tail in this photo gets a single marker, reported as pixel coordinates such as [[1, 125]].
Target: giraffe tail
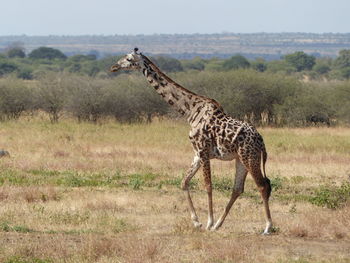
[[268, 182], [264, 158]]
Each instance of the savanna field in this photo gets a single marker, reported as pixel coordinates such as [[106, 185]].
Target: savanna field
[[110, 192]]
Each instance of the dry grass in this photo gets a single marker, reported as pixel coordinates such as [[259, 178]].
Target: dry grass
[[109, 193]]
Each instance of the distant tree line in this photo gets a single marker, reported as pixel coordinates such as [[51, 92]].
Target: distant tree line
[[187, 46], [14, 61]]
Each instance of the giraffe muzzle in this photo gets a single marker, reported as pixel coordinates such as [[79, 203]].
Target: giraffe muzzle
[[114, 68]]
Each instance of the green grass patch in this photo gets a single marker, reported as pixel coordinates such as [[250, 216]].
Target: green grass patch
[[78, 179], [69, 218], [223, 184], [137, 181], [6, 227], [17, 259], [284, 189], [276, 183], [121, 225], [331, 196]]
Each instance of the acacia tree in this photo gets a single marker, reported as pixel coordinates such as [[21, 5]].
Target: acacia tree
[[168, 64], [236, 62], [300, 61], [343, 60], [342, 63], [46, 53], [15, 49], [15, 52]]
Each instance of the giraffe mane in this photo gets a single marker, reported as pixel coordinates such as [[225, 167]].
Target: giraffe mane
[[155, 68]]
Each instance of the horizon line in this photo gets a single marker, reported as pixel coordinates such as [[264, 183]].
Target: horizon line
[[174, 34]]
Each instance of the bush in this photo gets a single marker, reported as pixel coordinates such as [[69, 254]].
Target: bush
[[15, 98], [52, 94], [243, 93], [261, 98], [7, 67], [130, 98], [85, 100]]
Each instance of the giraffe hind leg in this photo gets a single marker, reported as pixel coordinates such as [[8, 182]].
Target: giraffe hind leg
[[265, 193], [238, 188], [264, 187]]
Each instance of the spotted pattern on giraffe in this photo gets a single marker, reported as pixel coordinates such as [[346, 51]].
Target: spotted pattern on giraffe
[[213, 135]]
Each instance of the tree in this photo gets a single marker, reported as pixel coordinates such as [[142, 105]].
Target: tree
[[7, 67], [300, 61], [343, 60], [168, 64], [259, 65], [15, 49], [236, 62], [342, 64], [194, 64], [322, 68], [47, 53], [15, 52]]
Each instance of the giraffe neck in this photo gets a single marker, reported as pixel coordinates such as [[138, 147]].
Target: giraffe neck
[[183, 100]]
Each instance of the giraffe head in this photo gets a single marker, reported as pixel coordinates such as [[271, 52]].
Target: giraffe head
[[130, 61]]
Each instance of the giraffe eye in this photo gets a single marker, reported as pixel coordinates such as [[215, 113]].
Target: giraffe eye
[[128, 59]]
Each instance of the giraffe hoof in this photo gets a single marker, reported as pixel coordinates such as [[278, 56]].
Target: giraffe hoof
[[197, 224], [210, 225], [214, 228], [209, 228], [266, 232]]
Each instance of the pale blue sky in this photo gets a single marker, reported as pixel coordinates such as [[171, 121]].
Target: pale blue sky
[[106, 17]]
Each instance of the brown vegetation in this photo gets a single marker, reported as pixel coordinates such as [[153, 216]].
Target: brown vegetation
[[109, 193]]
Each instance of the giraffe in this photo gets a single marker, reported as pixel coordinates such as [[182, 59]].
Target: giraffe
[[213, 135]]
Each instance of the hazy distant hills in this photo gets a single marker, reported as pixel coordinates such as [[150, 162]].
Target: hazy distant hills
[[267, 45]]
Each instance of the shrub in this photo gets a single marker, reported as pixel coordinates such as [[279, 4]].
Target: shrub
[[331, 196], [15, 98], [243, 93], [85, 101], [52, 94]]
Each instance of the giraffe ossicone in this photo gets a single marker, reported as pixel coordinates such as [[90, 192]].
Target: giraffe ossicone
[[213, 135]]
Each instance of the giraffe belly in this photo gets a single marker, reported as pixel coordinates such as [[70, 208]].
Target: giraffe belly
[[223, 154]]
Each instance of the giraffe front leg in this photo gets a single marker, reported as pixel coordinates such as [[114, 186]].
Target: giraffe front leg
[[185, 186], [208, 185]]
